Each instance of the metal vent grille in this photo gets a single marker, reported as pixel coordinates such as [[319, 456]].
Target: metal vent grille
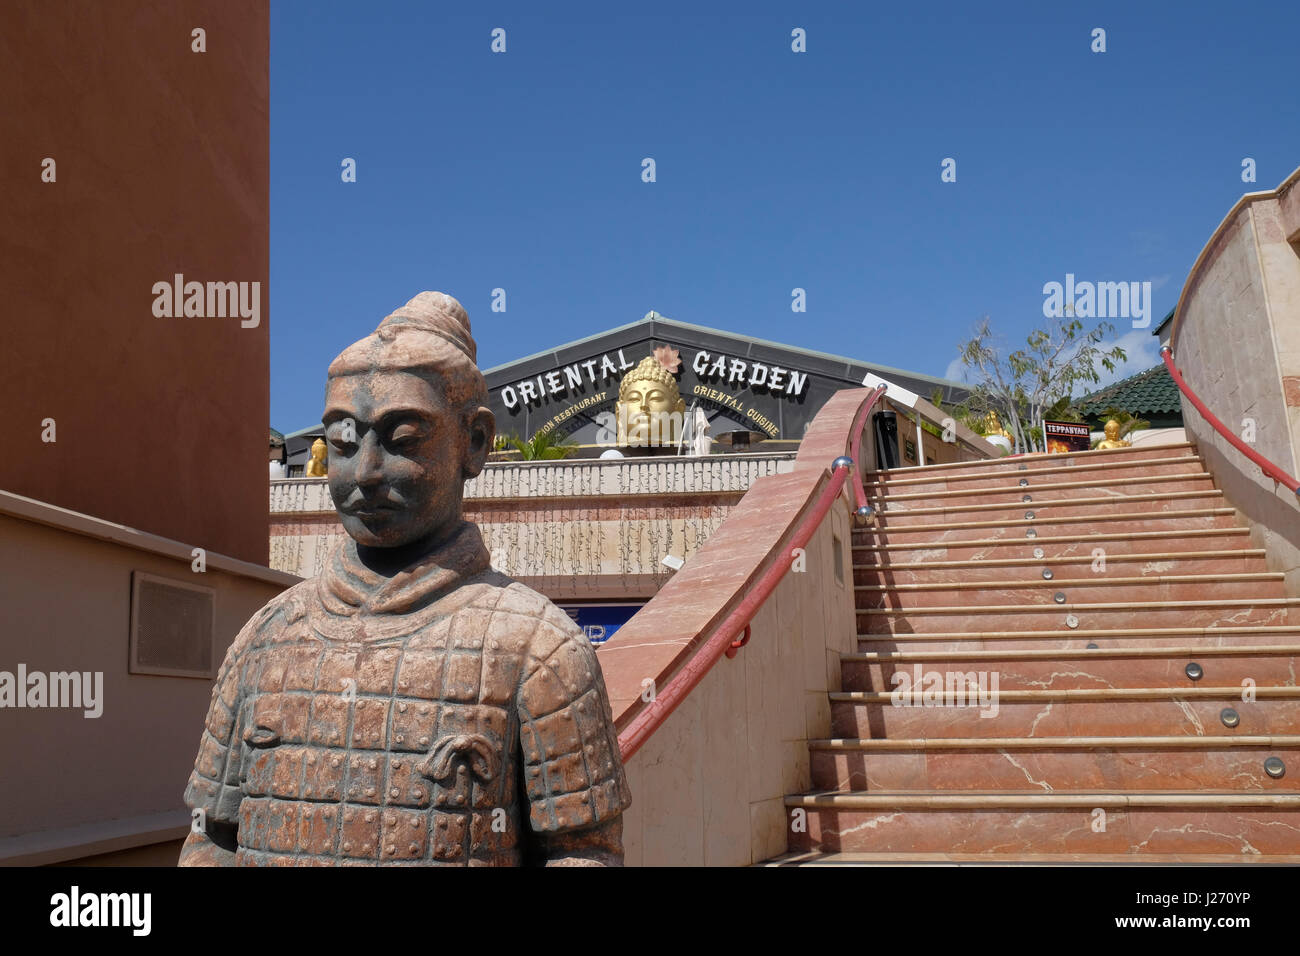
[[171, 627]]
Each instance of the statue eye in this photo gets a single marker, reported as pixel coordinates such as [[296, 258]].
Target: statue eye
[[404, 434]]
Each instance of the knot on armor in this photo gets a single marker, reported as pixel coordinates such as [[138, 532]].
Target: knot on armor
[[475, 750]]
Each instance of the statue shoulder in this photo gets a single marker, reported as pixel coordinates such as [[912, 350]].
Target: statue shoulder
[[291, 604], [546, 623]]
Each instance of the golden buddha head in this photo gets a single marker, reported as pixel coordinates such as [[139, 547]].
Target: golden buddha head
[[650, 406], [1112, 430], [318, 450]]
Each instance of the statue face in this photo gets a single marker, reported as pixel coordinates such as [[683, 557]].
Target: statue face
[[1112, 429], [648, 409], [397, 474]]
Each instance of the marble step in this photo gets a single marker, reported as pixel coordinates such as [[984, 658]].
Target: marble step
[[895, 518], [1049, 615], [1031, 463], [1007, 822], [1057, 668], [1101, 483], [1006, 546], [1056, 764], [1046, 524], [1150, 565], [1013, 640], [957, 481], [965, 710], [1034, 589]]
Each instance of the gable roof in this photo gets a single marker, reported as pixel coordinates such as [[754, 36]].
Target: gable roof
[[1152, 391]]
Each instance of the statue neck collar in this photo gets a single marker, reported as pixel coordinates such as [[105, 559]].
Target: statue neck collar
[[348, 587]]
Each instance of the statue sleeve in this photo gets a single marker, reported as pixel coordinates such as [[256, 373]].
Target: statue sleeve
[[214, 785], [572, 770]]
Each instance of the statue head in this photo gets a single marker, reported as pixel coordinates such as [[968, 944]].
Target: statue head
[[407, 422], [650, 406], [318, 449], [1112, 430]]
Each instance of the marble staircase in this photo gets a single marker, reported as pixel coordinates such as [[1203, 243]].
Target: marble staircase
[[1060, 659]]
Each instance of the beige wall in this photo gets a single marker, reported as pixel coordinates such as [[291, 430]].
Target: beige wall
[[1236, 340], [709, 786], [75, 785]]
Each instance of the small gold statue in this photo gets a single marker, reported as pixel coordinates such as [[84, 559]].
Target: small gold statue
[[316, 468], [993, 426], [650, 405], [1112, 439]]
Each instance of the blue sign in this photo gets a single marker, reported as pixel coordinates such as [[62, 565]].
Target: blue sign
[[600, 621]]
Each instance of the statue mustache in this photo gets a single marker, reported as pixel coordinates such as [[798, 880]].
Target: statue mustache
[[384, 497]]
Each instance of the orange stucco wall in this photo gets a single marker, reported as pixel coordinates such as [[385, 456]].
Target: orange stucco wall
[[162, 167]]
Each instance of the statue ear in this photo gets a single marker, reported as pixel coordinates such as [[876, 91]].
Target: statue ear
[[481, 430], [681, 405]]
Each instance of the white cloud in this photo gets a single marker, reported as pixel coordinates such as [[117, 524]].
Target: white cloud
[[1142, 350]]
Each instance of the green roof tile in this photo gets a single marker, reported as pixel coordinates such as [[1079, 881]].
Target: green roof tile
[[1152, 391]]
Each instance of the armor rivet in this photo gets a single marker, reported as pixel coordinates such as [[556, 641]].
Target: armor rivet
[[415, 848], [403, 684], [392, 822], [400, 738], [365, 848], [390, 850], [311, 758], [370, 791], [370, 818], [306, 813], [1194, 671], [397, 764], [424, 741], [335, 762], [395, 792], [414, 822], [347, 847], [419, 793], [1275, 768], [402, 708], [373, 763]]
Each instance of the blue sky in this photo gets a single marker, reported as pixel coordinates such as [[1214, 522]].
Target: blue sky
[[775, 169]]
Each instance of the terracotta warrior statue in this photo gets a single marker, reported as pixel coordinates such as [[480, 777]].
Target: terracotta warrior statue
[[409, 705]]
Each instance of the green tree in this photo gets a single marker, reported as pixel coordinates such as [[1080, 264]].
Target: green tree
[[1029, 385]]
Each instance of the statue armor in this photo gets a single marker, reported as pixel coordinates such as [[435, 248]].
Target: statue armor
[[445, 716]]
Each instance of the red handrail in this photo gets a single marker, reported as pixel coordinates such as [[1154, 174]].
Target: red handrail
[[1269, 469], [723, 640]]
